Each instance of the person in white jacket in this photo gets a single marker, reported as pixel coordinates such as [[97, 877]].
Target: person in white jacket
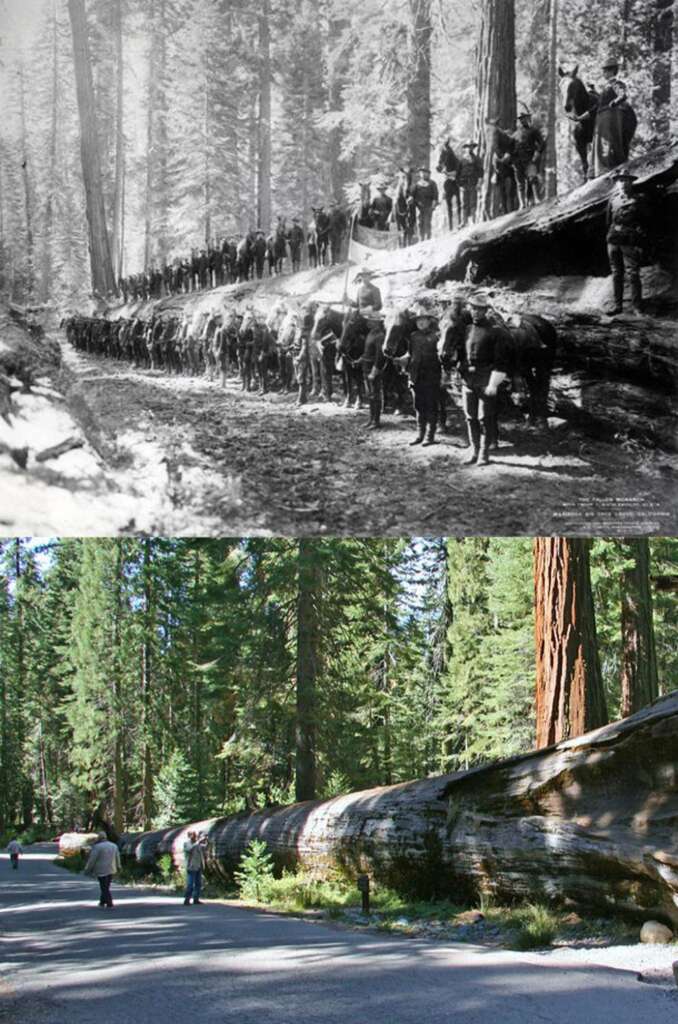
[[102, 863]]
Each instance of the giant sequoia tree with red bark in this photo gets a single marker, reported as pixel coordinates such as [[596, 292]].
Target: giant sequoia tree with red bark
[[570, 699]]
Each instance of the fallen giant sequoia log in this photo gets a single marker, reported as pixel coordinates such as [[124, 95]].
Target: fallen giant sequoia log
[[592, 820]]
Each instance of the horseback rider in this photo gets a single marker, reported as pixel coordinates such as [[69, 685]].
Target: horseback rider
[[626, 235], [469, 176], [529, 145], [368, 297]]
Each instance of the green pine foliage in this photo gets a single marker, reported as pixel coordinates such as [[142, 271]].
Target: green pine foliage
[[255, 872], [176, 792]]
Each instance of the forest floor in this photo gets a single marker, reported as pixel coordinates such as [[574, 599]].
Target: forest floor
[[64, 959], [182, 456]]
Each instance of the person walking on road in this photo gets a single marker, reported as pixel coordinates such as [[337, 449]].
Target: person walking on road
[[14, 849], [102, 863], [194, 854]]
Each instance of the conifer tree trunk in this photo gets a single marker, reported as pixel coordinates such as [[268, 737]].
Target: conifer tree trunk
[[661, 70], [309, 583], [48, 247], [118, 760], [28, 206], [118, 239], [639, 682], [99, 244], [419, 85], [495, 85], [264, 126], [569, 695], [147, 687], [338, 65], [551, 166]]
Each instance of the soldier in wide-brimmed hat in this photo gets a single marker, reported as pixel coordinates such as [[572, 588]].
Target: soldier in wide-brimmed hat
[[469, 176], [369, 296], [627, 216], [426, 197]]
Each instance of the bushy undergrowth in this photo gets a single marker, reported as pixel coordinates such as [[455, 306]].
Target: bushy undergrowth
[[537, 926]]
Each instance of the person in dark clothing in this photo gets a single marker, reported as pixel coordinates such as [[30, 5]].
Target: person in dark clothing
[[295, 238], [424, 369], [338, 225], [259, 249], [482, 353], [381, 209], [469, 176], [426, 198], [372, 361], [369, 296], [528, 149], [626, 236]]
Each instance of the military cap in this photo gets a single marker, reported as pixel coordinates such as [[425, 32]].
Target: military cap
[[611, 62], [525, 116], [479, 300], [365, 272]]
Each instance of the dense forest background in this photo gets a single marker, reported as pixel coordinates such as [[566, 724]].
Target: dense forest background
[[155, 680], [214, 116]]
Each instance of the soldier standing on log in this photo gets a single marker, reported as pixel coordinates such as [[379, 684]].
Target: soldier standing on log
[[426, 198], [529, 145], [381, 208], [296, 240], [337, 231], [626, 236], [469, 176]]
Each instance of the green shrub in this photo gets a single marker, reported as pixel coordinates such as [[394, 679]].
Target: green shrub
[[538, 926], [255, 874], [75, 862]]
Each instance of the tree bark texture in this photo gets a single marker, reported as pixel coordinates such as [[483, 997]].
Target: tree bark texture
[[118, 239], [99, 243], [551, 168], [419, 85], [639, 681], [570, 699], [591, 821], [264, 161], [661, 70], [495, 86], [308, 656]]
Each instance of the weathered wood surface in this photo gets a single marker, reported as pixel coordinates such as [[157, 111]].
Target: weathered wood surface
[[591, 820], [564, 213], [71, 843]]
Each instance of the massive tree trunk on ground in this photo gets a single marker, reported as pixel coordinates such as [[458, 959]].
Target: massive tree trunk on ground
[[99, 244], [570, 699], [419, 85], [495, 86], [639, 682], [591, 820]]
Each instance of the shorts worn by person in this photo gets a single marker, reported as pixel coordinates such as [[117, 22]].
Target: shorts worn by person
[[14, 849], [194, 857], [102, 863]]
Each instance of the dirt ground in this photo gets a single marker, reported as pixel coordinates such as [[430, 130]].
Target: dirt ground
[[178, 455]]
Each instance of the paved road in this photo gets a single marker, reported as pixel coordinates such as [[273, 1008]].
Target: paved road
[[150, 959]]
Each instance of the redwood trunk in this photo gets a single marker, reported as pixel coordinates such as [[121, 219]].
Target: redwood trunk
[[264, 161], [119, 188], [103, 281], [661, 70], [419, 85], [551, 168], [639, 682], [495, 85], [569, 696]]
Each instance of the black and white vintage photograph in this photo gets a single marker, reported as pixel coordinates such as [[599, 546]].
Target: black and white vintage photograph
[[357, 267]]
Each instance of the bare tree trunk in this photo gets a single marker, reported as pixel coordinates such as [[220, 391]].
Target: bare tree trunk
[[551, 170], [264, 155], [118, 241], [48, 247], [661, 71], [147, 781], [28, 206], [308, 657], [639, 680], [419, 85], [99, 245], [338, 63], [207, 187], [569, 695], [495, 86]]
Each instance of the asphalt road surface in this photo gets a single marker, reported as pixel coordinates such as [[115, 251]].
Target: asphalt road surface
[[150, 959]]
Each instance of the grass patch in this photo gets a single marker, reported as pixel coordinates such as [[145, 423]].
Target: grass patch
[[538, 926]]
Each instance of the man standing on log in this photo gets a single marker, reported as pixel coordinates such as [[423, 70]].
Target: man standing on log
[[529, 145], [483, 358], [426, 198], [626, 235], [469, 175], [338, 227], [381, 208]]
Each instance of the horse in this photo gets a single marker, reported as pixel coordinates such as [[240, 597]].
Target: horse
[[581, 104], [321, 226], [285, 339], [365, 218], [448, 164], [350, 350], [398, 326], [325, 335], [404, 210]]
